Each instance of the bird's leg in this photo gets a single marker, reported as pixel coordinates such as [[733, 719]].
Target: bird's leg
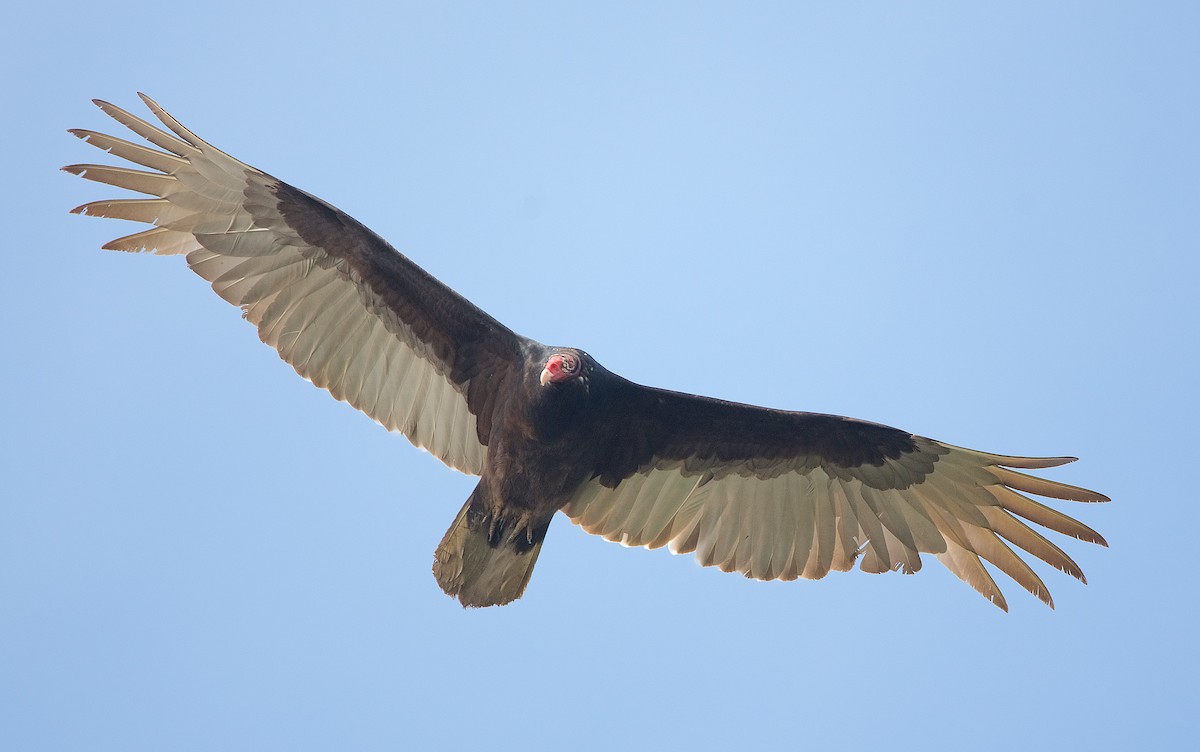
[[512, 526]]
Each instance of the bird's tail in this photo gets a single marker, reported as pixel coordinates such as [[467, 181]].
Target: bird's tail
[[479, 567]]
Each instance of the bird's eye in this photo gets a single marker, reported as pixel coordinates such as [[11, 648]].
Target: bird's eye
[[568, 363]]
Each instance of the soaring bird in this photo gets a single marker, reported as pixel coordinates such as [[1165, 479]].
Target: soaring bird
[[771, 494]]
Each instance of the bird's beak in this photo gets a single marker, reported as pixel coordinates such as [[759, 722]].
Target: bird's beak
[[552, 370]]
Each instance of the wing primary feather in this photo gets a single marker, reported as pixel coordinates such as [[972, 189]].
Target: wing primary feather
[[1043, 487], [1020, 534], [985, 543], [158, 240], [136, 153], [158, 137], [1045, 516], [1029, 463], [953, 529], [183, 133], [150, 183], [153, 211], [968, 568]]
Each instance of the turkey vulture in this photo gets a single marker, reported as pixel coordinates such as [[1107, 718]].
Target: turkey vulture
[[769, 493]]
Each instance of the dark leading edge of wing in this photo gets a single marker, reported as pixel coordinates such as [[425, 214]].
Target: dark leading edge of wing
[[675, 426]]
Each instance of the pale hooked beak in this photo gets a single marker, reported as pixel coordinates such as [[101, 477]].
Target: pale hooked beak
[[552, 370]]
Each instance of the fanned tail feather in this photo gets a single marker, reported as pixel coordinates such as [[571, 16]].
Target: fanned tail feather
[[469, 568]]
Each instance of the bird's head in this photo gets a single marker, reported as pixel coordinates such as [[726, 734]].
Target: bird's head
[[561, 367]]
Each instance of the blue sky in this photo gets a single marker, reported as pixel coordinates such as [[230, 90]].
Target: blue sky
[[977, 222]]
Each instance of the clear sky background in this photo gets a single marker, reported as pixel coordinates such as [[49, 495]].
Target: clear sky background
[[974, 221]]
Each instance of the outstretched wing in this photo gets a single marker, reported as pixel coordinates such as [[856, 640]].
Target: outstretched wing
[[782, 495], [344, 308]]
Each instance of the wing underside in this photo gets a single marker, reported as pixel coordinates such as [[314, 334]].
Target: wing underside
[[347, 311], [776, 495]]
